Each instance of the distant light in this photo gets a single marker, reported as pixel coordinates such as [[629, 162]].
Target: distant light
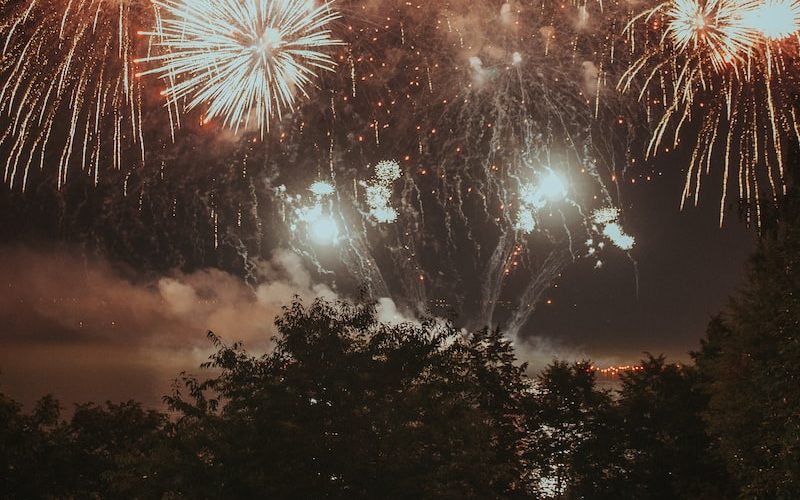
[[324, 231], [552, 187], [322, 188]]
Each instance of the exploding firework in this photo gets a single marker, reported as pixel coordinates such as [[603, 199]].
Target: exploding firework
[[379, 191], [312, 218], [549, 188], [713, 28], [69, 93], [775, 19], [728, 70], [496, 114], [243, 60], [606, 221]]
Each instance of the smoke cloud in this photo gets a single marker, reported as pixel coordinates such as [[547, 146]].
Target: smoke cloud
[[79, 327]]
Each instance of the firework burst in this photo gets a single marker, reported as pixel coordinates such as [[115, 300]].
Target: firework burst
[[244, 60], [727, 68]]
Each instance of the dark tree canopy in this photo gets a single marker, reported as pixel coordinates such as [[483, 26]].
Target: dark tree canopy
[[347, 407], [750, 368]]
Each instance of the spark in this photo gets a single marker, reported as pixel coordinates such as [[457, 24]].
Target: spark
[[379, 191], [243, 60], [68, 93], [608, 219]]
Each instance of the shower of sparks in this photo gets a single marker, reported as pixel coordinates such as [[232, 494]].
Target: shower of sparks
[[729, 67], [243, 60], [549, 188], [68, 94]]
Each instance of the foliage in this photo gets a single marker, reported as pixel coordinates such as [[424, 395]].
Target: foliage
[[750, 364], [346, 406], [667, 453]]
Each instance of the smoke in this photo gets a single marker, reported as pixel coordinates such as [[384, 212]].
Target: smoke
[[590, 73], [541, 351], [79, 327], [76, 325], [506, 14]]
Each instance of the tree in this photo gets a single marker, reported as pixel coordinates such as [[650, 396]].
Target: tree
[[750, 367], [118, 451], [573, 433], [667, 452], [347, 407]]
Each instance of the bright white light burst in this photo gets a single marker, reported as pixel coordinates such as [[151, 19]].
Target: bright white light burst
[[324, 230], [379, 191], [608, 219], [245, 60], [776, 19], [549, 188]]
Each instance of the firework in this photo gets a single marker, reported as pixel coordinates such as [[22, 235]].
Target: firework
[[379, 191], [607, 222], [728, 67], [714, 28], [488, 106], [775, 19], [243, 60], [68, 94], [549, 188], [315, 218]]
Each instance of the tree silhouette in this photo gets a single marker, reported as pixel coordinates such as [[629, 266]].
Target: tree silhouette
[[750, 364], [575, 453], [347, 407], [667, 452]]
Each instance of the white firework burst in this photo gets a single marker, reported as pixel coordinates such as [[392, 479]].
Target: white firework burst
[[245, 60], [379, 191], [608, 221]]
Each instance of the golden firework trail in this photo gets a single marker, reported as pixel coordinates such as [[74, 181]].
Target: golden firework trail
[[67, 90], [729, 68]]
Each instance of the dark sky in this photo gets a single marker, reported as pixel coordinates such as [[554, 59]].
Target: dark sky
[[88, 329], [687, 267]]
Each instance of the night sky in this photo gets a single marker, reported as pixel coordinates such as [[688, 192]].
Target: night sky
[[88, 329], [109, 286]]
